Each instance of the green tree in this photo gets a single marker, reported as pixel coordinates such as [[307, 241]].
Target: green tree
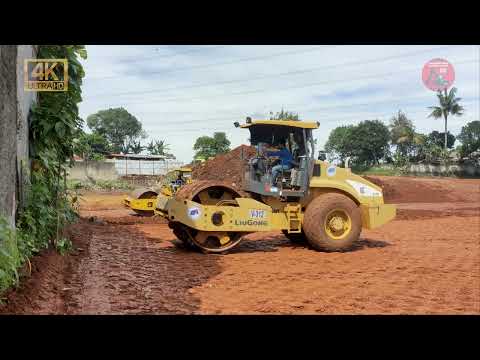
[[284, 115], [402, 133], [207, 146], [407, 142], [370, 140], [449, 105], [118, 126], [438, 139], [158, 147], [91, 146], [470, 138], [366, 143], [338, 145]]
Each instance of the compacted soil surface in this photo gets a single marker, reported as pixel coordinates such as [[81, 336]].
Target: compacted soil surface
[[426, 261]]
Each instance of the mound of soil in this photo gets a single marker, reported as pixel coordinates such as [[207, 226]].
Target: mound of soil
[[390, 194], [398, 189], [227, 167]]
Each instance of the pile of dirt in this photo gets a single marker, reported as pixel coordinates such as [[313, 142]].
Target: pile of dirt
[[398, 189], [390, 194], [227, 167]]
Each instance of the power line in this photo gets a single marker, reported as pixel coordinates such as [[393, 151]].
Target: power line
[[233, 118], [296, 72], [326, 120], [222, 118], [290, 106], [219, 63], [283, 88], [159, 56], [141, 59]]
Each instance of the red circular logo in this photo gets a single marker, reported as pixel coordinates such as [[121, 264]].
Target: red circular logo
[[438, 74]]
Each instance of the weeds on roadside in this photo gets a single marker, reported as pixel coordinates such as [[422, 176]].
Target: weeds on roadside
[[107, 185], [38, 227], [10, 257], [54, 124], [64, 246]]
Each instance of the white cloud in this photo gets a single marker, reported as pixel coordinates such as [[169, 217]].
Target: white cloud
[[182, 92]]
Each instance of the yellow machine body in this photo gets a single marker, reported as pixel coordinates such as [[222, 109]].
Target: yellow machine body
[[140, 204], [251, 215], [261, 210], [143, 201], [367, 195]]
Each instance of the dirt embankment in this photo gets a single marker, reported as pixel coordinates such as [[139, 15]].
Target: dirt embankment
[[398, 189], [228, 167], [430, 198]]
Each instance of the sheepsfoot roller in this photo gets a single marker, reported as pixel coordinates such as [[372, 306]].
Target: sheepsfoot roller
[[309, 201]]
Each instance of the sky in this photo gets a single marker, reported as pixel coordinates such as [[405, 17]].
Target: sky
[[182, 92]]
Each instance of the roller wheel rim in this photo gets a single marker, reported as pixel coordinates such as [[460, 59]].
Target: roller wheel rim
[[212, 242], [338, 224]]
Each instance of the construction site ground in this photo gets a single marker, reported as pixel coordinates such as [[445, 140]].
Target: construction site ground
[[427, 261]]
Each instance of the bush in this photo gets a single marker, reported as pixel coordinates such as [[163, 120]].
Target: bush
[[113, 185], [49, 206], [384, 170], [10, 258], [43, 215], [108, 185]]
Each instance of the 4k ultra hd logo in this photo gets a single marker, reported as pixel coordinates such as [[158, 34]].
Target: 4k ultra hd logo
[[46, 74]]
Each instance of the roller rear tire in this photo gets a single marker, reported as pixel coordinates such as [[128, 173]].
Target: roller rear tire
[[332, 222]]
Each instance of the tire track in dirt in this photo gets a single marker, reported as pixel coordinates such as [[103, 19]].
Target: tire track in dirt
[[127, 273]]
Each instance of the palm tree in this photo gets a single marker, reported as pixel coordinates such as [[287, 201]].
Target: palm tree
[[404, 136], [136, 147], [448, 106], [159, 147]]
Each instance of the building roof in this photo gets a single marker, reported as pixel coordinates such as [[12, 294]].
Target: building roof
[[137, 157], [292, 123]]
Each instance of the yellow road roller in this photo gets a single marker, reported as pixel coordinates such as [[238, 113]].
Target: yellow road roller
[[143, 201], [284, 189]]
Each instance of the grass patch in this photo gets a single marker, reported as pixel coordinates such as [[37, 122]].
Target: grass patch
[[105, 185], [378, 170]]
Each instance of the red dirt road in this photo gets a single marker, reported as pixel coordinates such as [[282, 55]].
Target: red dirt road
[[427, 261]]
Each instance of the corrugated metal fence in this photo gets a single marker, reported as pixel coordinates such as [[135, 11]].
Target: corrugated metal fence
[[145, 167]]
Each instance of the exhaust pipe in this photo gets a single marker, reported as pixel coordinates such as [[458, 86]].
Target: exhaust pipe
[[347, 161]]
